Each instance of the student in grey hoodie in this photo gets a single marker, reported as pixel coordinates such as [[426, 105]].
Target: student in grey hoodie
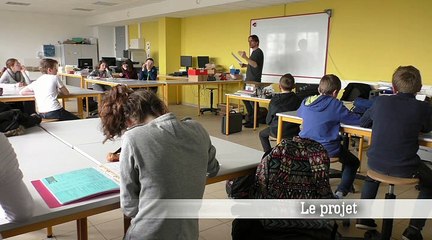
[[161, 158]]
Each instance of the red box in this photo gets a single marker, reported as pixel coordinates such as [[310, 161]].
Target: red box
[[197, 71]]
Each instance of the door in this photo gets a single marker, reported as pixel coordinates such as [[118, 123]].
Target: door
[[120, 41]]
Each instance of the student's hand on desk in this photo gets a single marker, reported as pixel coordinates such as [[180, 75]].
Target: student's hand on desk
[[120, 74], [113, 157]]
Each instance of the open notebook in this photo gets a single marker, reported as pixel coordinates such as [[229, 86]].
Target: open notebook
[[74, 186]]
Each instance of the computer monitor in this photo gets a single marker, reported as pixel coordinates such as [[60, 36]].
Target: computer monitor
[[202, 61], [186, 61], [110, 61], [85, 63]]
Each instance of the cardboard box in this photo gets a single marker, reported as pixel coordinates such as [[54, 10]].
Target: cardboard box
[[192, 71], [197, 78]]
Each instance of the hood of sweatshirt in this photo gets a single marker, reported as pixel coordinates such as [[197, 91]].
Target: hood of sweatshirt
[[318, 103]]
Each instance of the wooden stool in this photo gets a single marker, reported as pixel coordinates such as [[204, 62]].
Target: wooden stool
[[387, 225]]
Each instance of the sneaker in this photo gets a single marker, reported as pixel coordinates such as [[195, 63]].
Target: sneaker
[[366, 224], [412, 233], [339, 195]]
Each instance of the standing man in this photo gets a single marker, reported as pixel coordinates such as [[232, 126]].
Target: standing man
[[253, 73]]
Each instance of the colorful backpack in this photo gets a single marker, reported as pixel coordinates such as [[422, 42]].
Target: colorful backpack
[[296, 168]]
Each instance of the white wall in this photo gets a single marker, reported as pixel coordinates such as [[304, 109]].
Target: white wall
[[23, 34], [105, 36]]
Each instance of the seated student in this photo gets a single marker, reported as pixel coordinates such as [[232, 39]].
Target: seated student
[[127, 70], [149, 72], [46, 90], [161, 158], [101, 72], [15, 199], [14, 73], [283, 102], [322, 115], [397, 121]]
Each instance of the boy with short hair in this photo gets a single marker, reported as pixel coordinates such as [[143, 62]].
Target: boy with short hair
[[46, 90], [396, 122], [283, 102], [322, 115]]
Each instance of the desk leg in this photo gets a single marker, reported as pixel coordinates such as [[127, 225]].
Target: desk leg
[[360, 152], [49, 232], [126, 224], [82, 233], [80, 107], [166, 94], [82, 82], [227, 116], [255, 114], [199, 99], [177, 95], [99, 98], [279, 130]]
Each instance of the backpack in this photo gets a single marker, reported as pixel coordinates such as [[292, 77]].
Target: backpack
[[296, 168]]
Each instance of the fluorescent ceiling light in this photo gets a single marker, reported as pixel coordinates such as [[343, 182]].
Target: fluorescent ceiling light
[[83, 9], [18, 3], [101, 3]]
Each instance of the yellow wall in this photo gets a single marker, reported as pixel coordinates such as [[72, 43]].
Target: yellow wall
[[150, 33], [368, 38], [132, 32]]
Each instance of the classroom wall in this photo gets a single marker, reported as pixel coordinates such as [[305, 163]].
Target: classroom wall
[[368, 38], [150, 33], [106, 40], [29, 31]]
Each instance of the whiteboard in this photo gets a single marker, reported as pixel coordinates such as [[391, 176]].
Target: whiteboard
[[293, 44]]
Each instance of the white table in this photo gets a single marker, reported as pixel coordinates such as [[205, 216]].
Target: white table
[[68, 145], [11, 94], [86, 137], [41, 155]]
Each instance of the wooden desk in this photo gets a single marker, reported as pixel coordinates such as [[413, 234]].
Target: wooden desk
[[11, 94], [219, 83], [238, 97], [48, 156], [79, 76], [131, 83], [424, 139]]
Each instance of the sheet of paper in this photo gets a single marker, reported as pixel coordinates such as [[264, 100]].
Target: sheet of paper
[[78, 184], [238, 60]]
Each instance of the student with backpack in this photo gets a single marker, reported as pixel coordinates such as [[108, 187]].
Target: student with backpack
[[322, 115], [283, 102]]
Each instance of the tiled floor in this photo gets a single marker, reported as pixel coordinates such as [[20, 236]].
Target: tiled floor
[[108, 226]]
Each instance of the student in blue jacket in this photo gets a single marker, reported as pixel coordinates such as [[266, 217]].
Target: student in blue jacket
[[149, 72], [397, 121], [322, 115]]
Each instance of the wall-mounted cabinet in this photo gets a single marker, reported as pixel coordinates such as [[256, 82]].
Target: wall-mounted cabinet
[[70, 53]]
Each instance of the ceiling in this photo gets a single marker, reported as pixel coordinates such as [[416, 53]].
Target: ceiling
[[120, 10]]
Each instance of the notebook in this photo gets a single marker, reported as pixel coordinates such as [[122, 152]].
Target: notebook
[[74, 186]]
